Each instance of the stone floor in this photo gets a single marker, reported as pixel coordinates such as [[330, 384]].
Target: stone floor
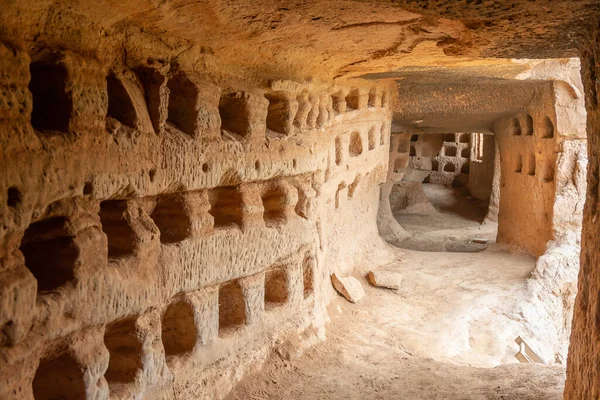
[[448, 333]]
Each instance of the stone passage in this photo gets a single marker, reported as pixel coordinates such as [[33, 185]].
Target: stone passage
[[188, 227], [180, 182]]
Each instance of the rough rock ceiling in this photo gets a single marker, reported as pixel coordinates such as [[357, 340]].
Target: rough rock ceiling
[[460, 107], [301, 39]]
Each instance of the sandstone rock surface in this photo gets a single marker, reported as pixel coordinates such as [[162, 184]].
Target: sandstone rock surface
[[385, 279], [349, 287]]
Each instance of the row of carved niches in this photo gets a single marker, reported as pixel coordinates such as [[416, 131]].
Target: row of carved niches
[[139, 351], [76, 238], [357, 143], [69, 94], [525, 125], [527, 165]]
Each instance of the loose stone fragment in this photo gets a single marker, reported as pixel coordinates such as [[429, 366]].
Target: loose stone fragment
[[349, 287], [385, 279]]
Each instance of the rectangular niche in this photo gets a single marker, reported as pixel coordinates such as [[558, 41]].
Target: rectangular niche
[[232, 307], [528, 129], [308, 275], [182, 112], [274, 204], [50, 253], [383, 134], [531, 165], [374, 99], [464, 138], [403, 146], [120, 105], [172, 219], [519, 164], [125, 349], [548, 128], [353, 100], [355, 148], [549, 171], [338, 102], [515, 127], [371, 136], [449, 167], [338, 151], [60, 377], [450, 151], [52, 103], [450, 137], [226, 207], [120, 234], [276, 287], [179, 331]]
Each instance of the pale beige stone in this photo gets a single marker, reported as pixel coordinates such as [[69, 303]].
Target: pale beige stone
[[385, 279], [349, 287]]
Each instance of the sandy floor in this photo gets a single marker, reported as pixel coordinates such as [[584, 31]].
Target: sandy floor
[[451, 226], [448, 333]]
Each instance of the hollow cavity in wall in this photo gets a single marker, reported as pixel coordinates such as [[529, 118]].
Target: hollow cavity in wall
[[232, 307], [276, 287], [125, 351], [50, 252]]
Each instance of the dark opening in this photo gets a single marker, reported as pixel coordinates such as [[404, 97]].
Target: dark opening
[[120, 106], [52, 104], [449, 167], [171, 218], [14, 197], [450, 151], [449, 137], [59, 378], [50, 253], [154, 89], [226, 207], [120, 235], [182, 104], [274, 207]]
